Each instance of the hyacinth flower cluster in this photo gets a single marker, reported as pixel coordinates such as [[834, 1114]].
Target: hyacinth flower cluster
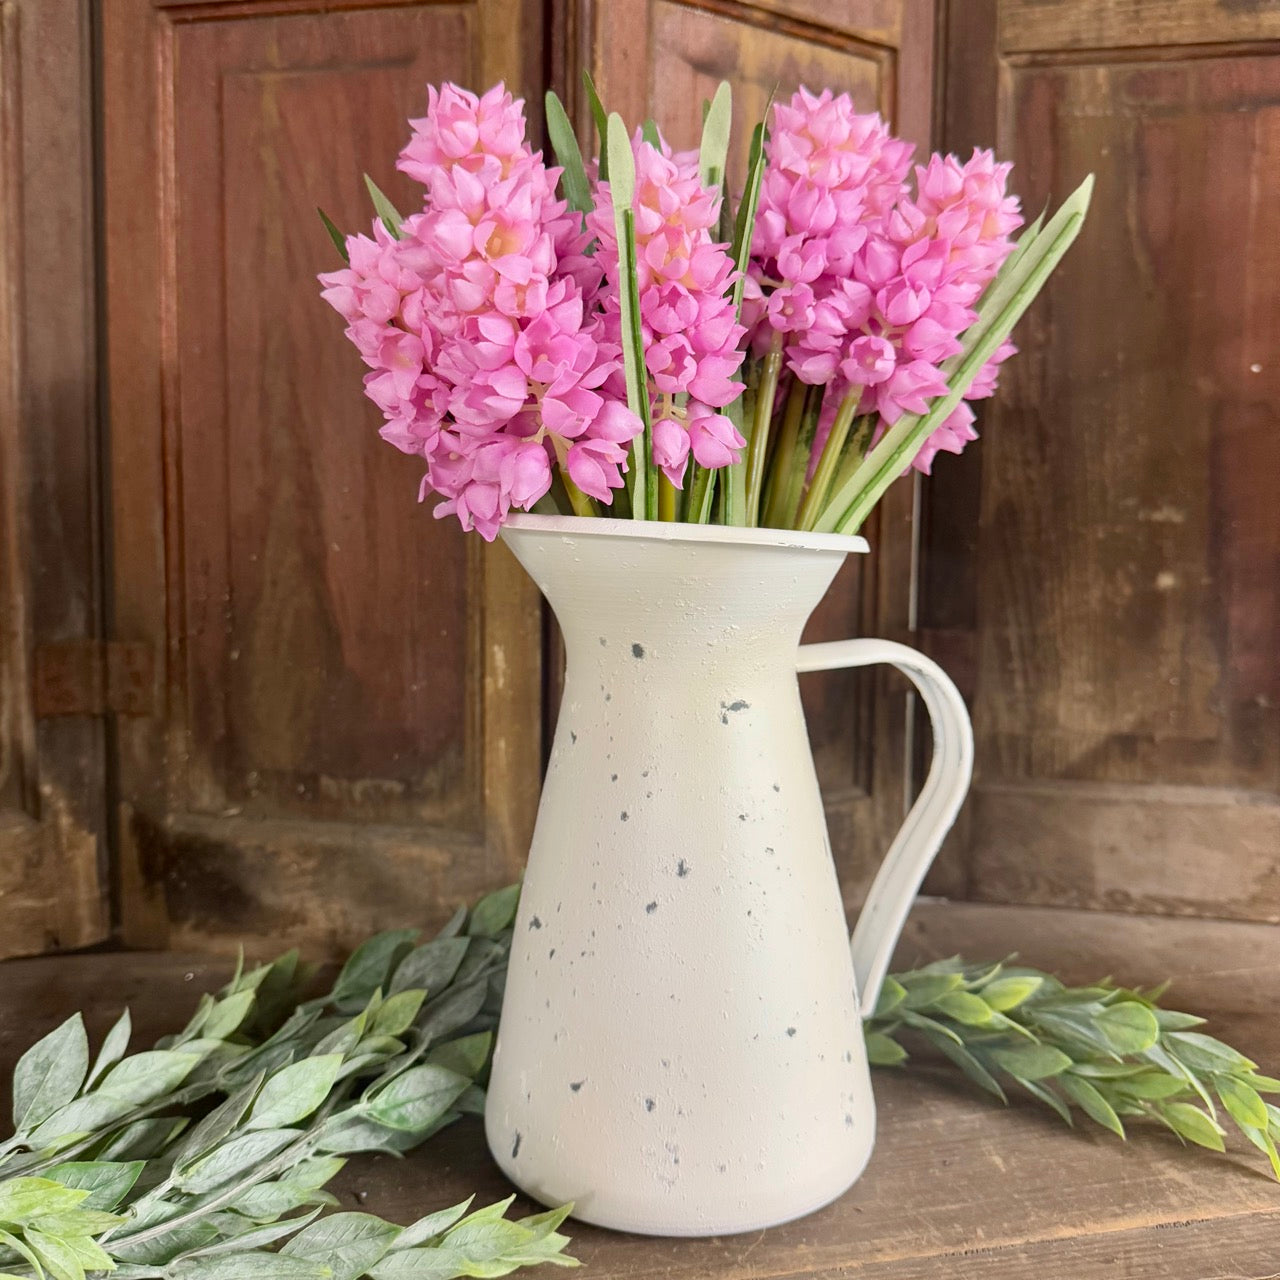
[[591, 338]]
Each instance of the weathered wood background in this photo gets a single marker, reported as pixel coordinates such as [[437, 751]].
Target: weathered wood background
[[249, 689]]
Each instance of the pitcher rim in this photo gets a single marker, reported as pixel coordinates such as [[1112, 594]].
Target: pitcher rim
[[681, 531]]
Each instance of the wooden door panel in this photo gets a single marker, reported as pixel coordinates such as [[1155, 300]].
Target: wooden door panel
[[329, 646], [662, 58], [351, 730], [53, 872], [1124, 544]]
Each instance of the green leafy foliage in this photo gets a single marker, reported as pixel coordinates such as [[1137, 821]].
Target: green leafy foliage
[[1104, 1050], [285, 1088]]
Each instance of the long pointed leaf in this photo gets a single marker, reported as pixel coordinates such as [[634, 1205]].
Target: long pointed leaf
[[339, 240], [565, 145], [622, 193], [602, 124], [744, 228], [714, 148], [389, 214]]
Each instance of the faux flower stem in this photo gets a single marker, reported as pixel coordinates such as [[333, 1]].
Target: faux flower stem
[[666, 499], [758, 445], [784, 452], [829, 463], [700, 494]]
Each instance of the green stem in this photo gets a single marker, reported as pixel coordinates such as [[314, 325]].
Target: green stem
[[700, 484], [785, 454], [666, 499], [758, 445], [829, 462]]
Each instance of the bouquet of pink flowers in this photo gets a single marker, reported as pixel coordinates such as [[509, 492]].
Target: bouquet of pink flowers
[[615, 337]]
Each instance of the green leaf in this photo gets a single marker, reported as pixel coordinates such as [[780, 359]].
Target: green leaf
[[369, 966], [294, 1092], [249, 1266], [113, 1048], [168, 1244], [227, 1015], [1000, 309], [75, 1222], [339, 240], [89, 1254], [12, 1242], [892, 994], [271, 1200], [417, 1098], [924, 989], [968, 1063], [1031, 1061], [1243, 1104], [385, 210], [421, 1264], [142, 1139], [882, 1051], [50, 1073], [1151, 1085], [396, 1014], [22, 1199], [146, 1076], [573, 180], [1008, 993], [1263, 1140], [1129, 1027], [1046, 1095], [745, 224], [234, 1157], [714, 148], [348, 1243], [83, 1116], [495, 912], [106, 1181], [1263, 1084], [211, 1130], [1193, 1124], [59, 1260], [254, 1237], [1204, 1053], [601, 119], [1172, 1020], [467, 1056], [452, 1009], [622, 181], [965, 1007], [1090, 1101], [433, 1225]]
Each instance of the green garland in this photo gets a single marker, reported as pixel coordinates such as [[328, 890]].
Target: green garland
[[206, 1157]]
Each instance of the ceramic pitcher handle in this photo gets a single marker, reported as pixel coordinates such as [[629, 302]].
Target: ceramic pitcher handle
[[916, 844]]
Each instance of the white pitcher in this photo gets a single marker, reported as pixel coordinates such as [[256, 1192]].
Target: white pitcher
[[681, 1050]]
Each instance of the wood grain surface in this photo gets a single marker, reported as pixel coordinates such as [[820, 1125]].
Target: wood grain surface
[[1111, 548], [958, 1187], [53, 807]]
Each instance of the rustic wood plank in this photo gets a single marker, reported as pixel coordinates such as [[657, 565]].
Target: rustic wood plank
[[52, 790], [1115, 24], [957, 1186]]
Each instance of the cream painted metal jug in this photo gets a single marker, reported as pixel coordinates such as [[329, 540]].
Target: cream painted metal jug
[[681, 1050]]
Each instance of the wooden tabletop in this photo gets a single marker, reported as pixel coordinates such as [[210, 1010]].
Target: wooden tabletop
[[958, 1186]]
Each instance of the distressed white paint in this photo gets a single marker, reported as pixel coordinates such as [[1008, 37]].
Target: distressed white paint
[[680, 1050]]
